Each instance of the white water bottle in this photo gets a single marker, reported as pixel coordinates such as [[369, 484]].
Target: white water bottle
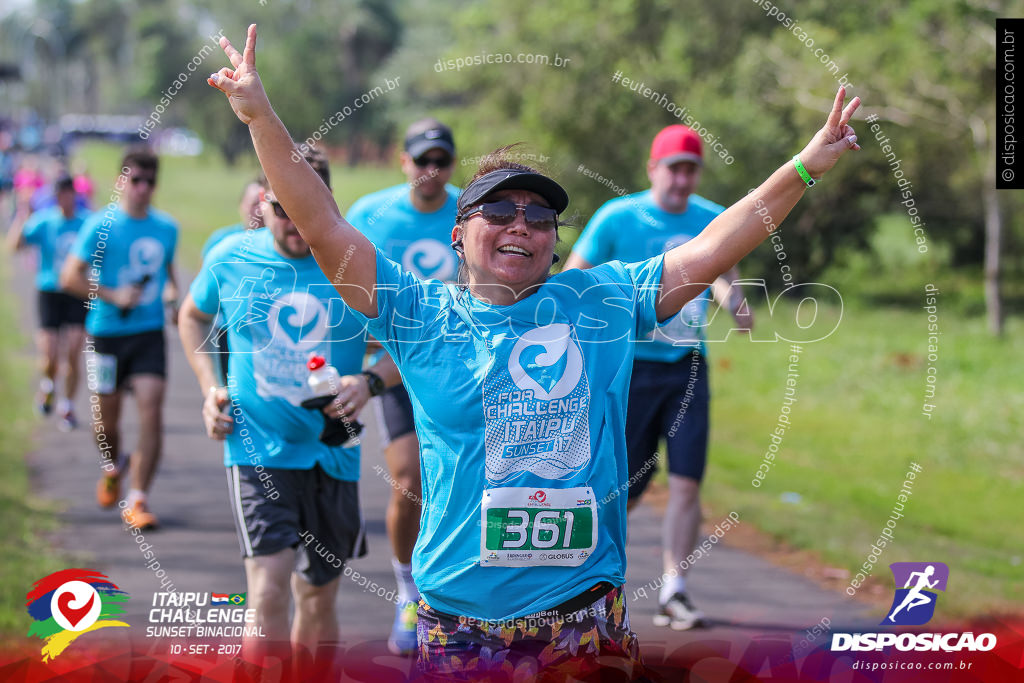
[[323, 379], [324, 383]]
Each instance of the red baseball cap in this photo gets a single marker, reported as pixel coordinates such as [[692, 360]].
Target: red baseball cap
[[677, 143]]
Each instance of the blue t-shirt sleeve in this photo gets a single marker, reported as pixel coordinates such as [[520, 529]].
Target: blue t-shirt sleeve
[[402, 308], [210, 243], [205, 289], [172, 243], [358, 214], [205, 292], [646, 277], [85, 242], [33, 232], [595, 242]]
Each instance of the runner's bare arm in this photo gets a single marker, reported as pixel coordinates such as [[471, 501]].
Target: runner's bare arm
[[194, 328], [386, 369], [15, 234], [74, 279], [344, 255], [738, 229]]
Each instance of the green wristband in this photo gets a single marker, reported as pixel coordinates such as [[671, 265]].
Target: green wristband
[[804, 175]]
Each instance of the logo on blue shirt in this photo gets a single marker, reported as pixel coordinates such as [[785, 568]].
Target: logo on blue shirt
[[553, 363], [430, 259]]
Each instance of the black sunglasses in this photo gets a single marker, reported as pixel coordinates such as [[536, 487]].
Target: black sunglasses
[[144, 179], [278, 209], [504, 212], [443, 161]]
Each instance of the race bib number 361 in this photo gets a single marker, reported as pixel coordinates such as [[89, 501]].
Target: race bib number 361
[[529, 527]]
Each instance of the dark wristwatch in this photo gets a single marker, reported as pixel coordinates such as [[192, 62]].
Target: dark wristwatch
[[374, 383]]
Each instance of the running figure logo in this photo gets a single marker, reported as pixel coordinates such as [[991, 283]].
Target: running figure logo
[[914, 603]]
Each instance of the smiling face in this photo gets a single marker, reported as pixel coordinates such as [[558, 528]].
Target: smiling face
[[672, 184], [287, 239], [505, 260]]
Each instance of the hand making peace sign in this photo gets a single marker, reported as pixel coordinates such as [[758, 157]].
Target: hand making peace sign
[[242, 85], [835, 137]]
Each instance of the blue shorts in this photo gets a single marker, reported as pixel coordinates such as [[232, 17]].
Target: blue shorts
[[667, 400]]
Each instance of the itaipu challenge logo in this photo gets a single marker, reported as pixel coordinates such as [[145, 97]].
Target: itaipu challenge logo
[[69, 603]]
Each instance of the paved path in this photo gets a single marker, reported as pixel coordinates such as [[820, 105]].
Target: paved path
[[744, 596]]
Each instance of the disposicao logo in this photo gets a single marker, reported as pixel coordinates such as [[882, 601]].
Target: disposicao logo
[[71, 602], [914, 605]]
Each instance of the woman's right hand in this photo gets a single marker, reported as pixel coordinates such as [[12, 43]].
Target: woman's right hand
[[242, 85]]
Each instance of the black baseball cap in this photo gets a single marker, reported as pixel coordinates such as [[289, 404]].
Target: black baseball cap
[[513, 179], [427, 134]]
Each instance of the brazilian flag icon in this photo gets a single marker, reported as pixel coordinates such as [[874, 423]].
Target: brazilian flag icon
[[237, 598]]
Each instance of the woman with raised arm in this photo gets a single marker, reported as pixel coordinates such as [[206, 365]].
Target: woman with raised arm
[[518, 382]]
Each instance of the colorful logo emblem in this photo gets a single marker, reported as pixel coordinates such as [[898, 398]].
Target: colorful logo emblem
[[71, 602], [914, 603]]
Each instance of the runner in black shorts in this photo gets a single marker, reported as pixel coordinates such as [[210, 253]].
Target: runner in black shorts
[[668, 393], [293, 492], [144, 353], [123, 262], [61, 316], [306, 509]]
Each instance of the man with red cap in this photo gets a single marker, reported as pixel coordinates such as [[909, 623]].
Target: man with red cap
[[668, 395]]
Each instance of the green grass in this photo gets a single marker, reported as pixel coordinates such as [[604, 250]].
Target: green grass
[[856, 427], [202, 192], [27, 520]]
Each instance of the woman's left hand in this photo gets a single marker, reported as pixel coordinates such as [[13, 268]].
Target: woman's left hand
[[829, 143]]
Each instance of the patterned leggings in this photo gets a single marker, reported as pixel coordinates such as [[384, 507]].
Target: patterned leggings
[[529, 648]]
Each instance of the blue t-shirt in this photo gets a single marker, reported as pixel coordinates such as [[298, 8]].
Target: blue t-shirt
[[420, 242], [54, 235], [218, 235], [527, 402], [122, 250], [633, 228], [277, 311]]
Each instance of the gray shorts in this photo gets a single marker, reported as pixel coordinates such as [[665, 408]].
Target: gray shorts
[[278, 508]]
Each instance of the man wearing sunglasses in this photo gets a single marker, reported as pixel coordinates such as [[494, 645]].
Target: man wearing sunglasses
[[294, 496], [668, 395], [123, 263], [411, 224]]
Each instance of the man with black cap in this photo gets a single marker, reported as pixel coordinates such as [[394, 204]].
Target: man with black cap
[[411, 224], [668, 396]]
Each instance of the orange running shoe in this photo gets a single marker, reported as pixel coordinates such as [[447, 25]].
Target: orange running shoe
[[138, 516], [108, 489]]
